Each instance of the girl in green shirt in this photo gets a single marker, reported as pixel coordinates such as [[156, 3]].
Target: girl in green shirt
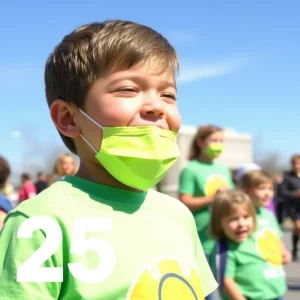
[[248, 256], [202, 177]]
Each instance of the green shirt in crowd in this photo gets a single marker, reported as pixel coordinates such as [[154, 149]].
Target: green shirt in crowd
[[200, 179], [98, 242], [256, 264]]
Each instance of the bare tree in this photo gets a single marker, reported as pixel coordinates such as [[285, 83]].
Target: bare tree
[[271, 162]]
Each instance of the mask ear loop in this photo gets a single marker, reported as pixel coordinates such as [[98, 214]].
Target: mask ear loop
[[93, 148], [93, 121]]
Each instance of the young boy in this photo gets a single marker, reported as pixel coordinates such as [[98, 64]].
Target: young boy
[[103, 233]]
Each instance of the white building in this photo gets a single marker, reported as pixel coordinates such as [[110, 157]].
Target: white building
[[237, 151]]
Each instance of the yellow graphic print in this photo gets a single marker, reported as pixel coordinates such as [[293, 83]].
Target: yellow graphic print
[[269, 246], [166, 281], [214, 183]]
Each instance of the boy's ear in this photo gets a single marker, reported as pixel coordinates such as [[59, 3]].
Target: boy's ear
[[62, 115]]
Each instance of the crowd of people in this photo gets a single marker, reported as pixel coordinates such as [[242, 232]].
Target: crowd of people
[[111, 91], [228, 208], [10, 197], [236, 214]]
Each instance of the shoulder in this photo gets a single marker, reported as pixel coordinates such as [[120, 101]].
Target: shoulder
[[220, 166], [265, 212], [169, 204], [191, 165], [49, 202], [287, 175], [265, 216], [166, 200], [191, 168], [29, 183]]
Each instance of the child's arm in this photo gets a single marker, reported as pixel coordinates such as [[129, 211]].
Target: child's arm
[[232, 290], [286, 255], [229, 286], [186, 191], [13, 253]]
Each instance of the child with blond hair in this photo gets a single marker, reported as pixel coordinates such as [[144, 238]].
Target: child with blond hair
[[248, 261]]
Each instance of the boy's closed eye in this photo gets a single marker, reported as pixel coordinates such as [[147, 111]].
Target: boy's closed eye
[[127, 89], [127, 92], [169, 96], [133, 91]]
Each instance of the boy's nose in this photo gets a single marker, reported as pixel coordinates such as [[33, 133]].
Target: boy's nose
[[152, 107]]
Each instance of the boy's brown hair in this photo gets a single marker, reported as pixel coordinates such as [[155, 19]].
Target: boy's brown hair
[[96, 49], [224, 204], [4, 171], [254, 178], [202, 134]]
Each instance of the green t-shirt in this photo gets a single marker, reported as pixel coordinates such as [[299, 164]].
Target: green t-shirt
[[201, 179], [256, 264], [152, 239]]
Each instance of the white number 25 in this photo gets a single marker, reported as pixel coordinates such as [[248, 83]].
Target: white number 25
[[31, 270]]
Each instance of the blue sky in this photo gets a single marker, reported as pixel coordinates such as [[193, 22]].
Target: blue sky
[[239, 65]]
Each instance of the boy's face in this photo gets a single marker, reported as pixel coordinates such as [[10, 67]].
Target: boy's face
[[138, 96], [263, 194]]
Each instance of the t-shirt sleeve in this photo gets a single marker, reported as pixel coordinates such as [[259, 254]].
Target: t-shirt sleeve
[[14, 252], [186, 182], [208, 281], [230, 265]]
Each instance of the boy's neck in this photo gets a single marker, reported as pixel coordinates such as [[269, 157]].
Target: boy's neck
[[96, 173]]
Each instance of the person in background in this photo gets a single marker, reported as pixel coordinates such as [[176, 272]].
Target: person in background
[[10, 193], [248, 262], [41, 182], [28, 189], [64, 165], [5, 205], [279, 200], [240, 172], [202, 178], [246, 169], [290, 191]]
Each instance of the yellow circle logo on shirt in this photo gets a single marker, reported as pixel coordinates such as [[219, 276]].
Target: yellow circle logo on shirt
[[166, 281], [214, 183], [269, 246]]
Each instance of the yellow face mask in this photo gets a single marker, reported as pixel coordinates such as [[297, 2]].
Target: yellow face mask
[[137, 156], [214, 150]]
